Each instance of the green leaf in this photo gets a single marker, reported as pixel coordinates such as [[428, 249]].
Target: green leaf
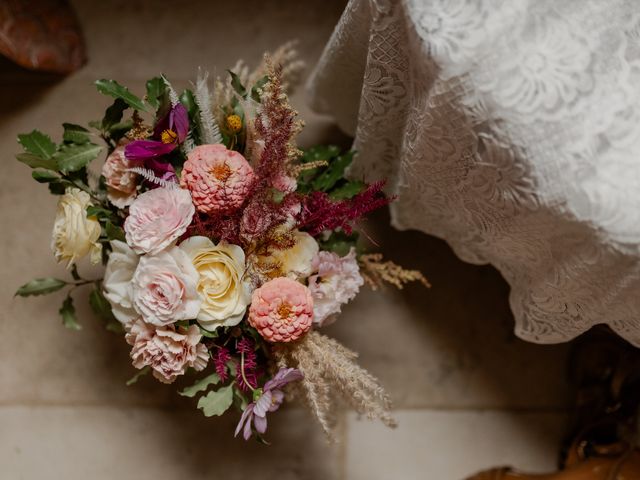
[[320, 152], [340, 243], [58, 188], [100, 305], [73, 157], [237, 84], [34, 161], [98, 212], [138, 375], [200, 386], [115, 90], [348, 190], [44, 176], [75, 133], [113, 115], [208, 334], [188, 100], [114, 232], [255, 94], [240, 400], [68, 314], [333, 173], [216, 402], [155, 90], [38, 144], [41, 286]]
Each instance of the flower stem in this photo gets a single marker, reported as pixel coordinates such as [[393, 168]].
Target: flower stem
[[242, 372]]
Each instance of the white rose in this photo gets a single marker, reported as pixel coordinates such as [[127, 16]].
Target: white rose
[[224, 293], [117, 281], [165, 288], [295, 262], [75, 235]]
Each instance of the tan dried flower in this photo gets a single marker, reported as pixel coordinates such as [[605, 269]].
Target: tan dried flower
[[330, 372], [375, 272]]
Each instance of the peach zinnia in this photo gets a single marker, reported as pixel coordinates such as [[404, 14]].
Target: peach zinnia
[[219, 179], [281, 310]]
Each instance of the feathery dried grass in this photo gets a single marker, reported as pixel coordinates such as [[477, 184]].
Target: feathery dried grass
[[330, 371], [210, 130]]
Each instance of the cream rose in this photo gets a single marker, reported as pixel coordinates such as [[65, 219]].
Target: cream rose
[[165, 288], [75, 235], [117, 282], [294, 262], [224, 293]]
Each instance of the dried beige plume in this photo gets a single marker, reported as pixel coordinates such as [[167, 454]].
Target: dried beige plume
[[330, 372], [375, 271]]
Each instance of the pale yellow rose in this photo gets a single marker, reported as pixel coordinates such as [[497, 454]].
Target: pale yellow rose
[[75, 235], [223, 291], [294, 262]]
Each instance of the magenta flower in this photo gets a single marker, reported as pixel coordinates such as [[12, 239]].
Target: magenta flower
[[168, 133], [269, 400]]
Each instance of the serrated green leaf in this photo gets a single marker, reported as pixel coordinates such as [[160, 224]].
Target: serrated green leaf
[[38, 144], [44, 176], [200, 386], [68, 314], [115, 90], [75, 133], [141, 373], [41, 286], [216, 402], [114, 232], [349, 190], [34, 161], [113, 115], [74, 157], [237, 84], [333, 173], [155, 89]]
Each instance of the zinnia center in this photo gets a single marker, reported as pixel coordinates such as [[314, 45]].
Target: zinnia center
[[221, 172], [284, 310]]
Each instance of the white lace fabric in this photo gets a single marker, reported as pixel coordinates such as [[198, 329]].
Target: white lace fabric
[[511, 129]]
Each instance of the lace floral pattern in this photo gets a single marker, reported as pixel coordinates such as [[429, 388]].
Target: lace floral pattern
[[510, 128]]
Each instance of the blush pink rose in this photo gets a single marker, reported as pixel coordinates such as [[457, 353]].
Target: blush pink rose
[[219, 179], [121, 182], [157, 218], [281, 310], [169, 352], [165, 287]]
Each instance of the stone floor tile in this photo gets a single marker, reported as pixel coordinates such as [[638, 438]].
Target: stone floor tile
[[451, 445], [151, 444]]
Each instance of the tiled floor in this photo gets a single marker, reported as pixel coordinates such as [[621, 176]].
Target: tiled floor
[[469, 393]]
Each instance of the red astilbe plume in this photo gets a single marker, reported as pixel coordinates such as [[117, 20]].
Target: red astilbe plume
[[220, 359], [247, 368], [320, 212]]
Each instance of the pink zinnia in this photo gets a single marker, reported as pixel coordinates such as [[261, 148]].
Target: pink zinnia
[[281, 310], [219, 179]]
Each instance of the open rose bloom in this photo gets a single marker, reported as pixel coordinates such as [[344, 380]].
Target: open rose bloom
[[225, 246]]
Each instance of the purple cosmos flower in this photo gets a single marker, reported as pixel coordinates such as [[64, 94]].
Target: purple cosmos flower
[[168, 133], [269, 401]]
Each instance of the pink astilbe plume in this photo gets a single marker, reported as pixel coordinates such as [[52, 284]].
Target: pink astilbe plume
[[320, 212], [220, 359], [276, 127], [245, 348]]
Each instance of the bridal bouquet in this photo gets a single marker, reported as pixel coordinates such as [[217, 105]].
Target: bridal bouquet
[[227, 249]]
